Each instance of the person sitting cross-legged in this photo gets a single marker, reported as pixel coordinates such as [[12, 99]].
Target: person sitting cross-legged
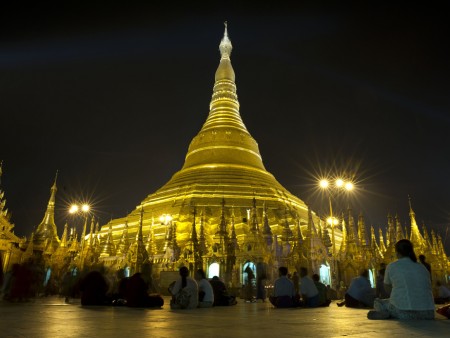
[[323, 292], [411, 296], [360, 293], [205, 290], [310, 294], [221, 295], [283, 290]]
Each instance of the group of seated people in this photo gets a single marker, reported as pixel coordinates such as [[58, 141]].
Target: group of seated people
[[312, 293], [405, 290], [131, 291], [198, 292]]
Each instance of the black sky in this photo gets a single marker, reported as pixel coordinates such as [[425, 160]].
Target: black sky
[[112, 95]]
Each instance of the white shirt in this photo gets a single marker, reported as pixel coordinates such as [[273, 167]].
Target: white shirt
[[205, 286], [411, 285], [307, 287], [190, 284]]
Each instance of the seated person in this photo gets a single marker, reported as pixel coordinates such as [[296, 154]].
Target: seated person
[[380, 290], [283, 290], [310, 294], [323, 292], [136, 294], [93, 288], [184, 291], [360, 293], [411, 295], [443, 294], [205, 290], [221, 295]]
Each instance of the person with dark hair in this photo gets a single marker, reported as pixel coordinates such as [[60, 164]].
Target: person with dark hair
[[136, 293], [359, 293], [308, 290], [221, 295], [93, 288], [205, 290], [411, 296], [283, 290], [184, 291], [323, 294], [422, 260]]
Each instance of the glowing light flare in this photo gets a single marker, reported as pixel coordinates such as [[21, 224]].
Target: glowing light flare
[[73, 209], [339, 183], [324, 184], [165, 218], [332, 221]]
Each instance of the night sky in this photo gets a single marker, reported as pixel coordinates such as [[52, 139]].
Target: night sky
[[112, 96]]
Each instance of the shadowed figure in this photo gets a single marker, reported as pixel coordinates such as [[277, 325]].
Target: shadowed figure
[[136, 294], [93, 288]]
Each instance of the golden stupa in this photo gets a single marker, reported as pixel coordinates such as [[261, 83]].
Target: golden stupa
[[223, 174]]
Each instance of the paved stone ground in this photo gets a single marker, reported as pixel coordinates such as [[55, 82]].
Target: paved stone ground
[[51, 317]]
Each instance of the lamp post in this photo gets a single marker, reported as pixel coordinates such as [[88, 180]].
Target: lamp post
[[339, 185], [81, 209]]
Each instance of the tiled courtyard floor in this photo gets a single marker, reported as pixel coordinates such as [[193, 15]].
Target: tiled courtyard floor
[[51, 317]]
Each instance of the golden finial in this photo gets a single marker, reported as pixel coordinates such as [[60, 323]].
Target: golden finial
[[225, 46]]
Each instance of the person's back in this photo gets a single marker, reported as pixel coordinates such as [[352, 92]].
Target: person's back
[[283, 290], [361, 290], [136, 293], [308, 290], [221, 295], [411, 285], [205, 290], [184, 291], [323, 292], [283, 286], [93, 289], [411, 295]]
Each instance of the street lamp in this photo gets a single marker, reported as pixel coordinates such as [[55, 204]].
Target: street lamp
[[80, 209], [339, 185], [77, 208]]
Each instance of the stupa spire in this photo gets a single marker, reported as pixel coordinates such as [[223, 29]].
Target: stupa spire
[[46, 230], [225, 46]]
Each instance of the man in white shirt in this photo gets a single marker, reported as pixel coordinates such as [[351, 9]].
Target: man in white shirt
[[310, 294], [283, 290]]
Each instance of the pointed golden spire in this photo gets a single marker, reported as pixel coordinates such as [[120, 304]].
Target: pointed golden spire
[[108, 249], [415, 237], [64, 236], [361, 230], [122, 247], [382, 246], [46, 230]]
